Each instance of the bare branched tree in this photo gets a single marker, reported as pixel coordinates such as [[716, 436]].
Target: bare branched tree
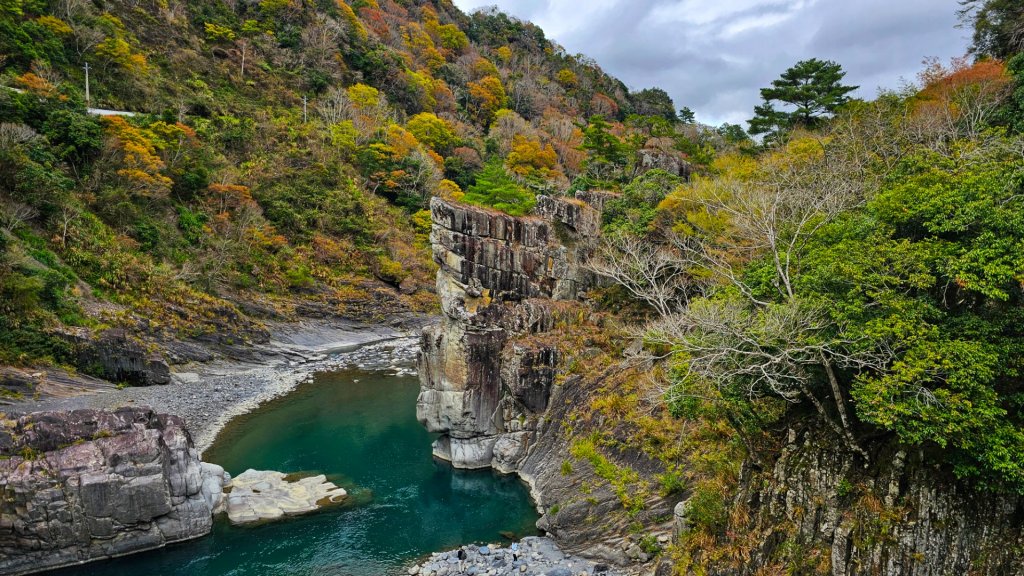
[[335, 106], [14, 214], [648, 272], [781, 351], [12, 135], [743, 340]]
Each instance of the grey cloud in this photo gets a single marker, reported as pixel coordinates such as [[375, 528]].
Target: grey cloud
[[686, 47]]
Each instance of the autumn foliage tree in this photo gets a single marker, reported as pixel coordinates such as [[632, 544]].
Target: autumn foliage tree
[[486, 97]]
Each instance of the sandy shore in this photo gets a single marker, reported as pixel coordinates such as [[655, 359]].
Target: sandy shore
[[209, 395]]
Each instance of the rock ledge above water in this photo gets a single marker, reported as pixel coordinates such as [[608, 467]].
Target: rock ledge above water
[[258, 496]]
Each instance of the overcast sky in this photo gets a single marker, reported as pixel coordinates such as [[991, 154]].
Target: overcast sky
[[714, 55]]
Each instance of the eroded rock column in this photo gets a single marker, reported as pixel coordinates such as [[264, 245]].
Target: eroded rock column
[[499, 277]]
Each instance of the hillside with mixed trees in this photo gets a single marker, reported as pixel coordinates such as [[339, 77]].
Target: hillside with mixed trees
[[280, 159], [856, 274]]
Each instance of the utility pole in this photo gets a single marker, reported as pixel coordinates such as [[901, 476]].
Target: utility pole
[[304, 101], [88, 101]]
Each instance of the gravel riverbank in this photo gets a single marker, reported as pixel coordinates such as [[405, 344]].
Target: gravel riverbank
[[209, 395]]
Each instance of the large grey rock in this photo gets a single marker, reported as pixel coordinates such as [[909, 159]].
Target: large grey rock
[[121, 359], [86, 485]]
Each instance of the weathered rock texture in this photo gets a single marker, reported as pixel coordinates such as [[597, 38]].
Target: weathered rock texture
[[259, 496], [119, 358], [499, 277], [488, 370], [85, 485], [900, 517]]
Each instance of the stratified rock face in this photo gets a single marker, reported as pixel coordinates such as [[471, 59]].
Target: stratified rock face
[[85, 485], [120, 359], [488, 371], [499, 277], [901, 517]]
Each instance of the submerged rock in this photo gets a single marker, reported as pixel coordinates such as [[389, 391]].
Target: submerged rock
[[256, 496], [87, 484]]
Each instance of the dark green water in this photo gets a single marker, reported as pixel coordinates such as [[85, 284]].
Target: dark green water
[[365, 437]]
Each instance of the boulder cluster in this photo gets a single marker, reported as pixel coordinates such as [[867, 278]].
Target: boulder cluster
[[532, 556]]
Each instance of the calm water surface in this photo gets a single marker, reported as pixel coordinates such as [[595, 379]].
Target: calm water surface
[[360, 429]]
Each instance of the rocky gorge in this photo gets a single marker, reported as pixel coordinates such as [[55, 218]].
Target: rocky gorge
[[494, 384], [100, 482], [489, 370]]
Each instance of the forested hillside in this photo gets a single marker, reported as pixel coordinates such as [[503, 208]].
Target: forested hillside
[[850, 292], [281, 156]]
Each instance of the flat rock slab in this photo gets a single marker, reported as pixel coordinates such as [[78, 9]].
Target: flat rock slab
[[259, 496]]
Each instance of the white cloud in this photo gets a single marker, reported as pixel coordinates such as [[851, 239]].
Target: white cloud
[[714, 55]]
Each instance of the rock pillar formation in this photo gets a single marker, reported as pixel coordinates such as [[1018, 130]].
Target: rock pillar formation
[[500, 277]]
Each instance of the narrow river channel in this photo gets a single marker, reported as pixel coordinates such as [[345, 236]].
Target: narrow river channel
[[358, 427]]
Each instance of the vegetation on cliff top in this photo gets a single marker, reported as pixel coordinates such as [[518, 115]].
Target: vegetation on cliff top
[[866, 273], [282, 155]]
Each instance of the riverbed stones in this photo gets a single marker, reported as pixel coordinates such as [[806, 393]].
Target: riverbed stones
[[258, 496], [533, 556]]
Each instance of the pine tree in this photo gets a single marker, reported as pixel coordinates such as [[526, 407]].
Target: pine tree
[[812, 88], [998, 26]]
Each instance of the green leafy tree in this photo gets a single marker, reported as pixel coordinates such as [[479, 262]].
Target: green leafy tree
[[653, 102], [812, 90], [433, 131], [998, 26], [636, 208], [733, 133], [607, 153]]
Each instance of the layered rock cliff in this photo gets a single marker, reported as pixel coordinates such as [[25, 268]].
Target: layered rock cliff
[[490, 379], [500, 277], [817, 510], [84, 485]]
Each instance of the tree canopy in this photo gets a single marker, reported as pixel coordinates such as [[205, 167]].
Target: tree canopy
[[998, 26], [811, 90]]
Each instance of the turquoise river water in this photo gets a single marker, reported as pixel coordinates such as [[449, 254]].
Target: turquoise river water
[[360, 429]]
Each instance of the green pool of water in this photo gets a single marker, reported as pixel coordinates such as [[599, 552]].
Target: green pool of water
[[360, 429]]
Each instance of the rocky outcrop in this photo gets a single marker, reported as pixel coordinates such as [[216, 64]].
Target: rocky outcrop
[[259, 496], [488, 371], [118, 358], [500, 277], [902, 516], [667, 160], [84, 485]]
